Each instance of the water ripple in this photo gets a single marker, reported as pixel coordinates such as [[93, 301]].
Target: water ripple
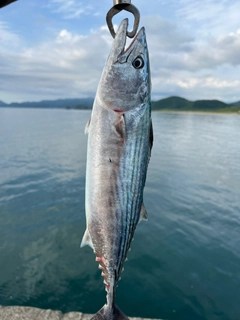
[[186, 257]]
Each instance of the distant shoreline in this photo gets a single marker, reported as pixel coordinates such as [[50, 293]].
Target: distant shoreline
[[171, 104], [199, 112], [219, 112], [178, 104], [209, 112]]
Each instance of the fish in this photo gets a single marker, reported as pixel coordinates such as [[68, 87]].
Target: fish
[[120, 139]]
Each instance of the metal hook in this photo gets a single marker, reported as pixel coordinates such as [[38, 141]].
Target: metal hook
[[118, 6], [4, 3]]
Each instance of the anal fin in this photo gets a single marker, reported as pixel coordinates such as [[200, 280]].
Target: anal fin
[[86, 240]]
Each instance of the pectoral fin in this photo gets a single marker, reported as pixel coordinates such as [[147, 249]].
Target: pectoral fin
[[86, 240], [119, 127]]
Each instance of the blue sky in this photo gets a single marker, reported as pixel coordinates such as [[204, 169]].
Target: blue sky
[[54, 49]]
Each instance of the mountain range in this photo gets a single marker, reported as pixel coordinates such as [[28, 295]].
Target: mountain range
[[167, 104], [81, 103], [181, 104]]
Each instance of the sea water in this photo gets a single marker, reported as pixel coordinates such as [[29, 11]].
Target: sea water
[[185, 260]]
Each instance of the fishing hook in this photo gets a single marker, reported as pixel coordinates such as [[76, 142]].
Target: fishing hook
[[119, 5]]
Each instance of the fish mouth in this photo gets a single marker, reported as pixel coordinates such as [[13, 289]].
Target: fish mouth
[[139, 35], [119, 45]]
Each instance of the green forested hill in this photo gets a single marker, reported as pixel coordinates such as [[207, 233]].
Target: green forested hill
[[172, 103], [2, 104], [181, 104], [235, 103], [78, 103]]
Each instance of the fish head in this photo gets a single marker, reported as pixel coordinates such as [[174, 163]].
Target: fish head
[[125, 81]]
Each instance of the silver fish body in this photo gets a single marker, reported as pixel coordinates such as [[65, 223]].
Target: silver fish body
[[119, 146]]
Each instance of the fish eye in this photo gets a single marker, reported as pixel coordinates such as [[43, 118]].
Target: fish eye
[[138, 63]]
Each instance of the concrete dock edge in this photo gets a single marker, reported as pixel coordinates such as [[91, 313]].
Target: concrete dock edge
[[29, 313]]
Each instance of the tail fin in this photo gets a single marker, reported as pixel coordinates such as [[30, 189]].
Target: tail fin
[[114, 314]]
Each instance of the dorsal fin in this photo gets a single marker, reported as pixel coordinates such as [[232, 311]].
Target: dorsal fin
[[150, 141], [86, 130]]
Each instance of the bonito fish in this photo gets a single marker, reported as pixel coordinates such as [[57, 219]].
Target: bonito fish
[[119, 146]]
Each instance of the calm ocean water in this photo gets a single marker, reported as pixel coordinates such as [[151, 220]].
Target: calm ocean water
[[185, 260]]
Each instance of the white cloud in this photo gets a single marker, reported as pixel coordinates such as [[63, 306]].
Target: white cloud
[[200, 10], [214, 53], [69, 64], [198, 87], [183, 65], [208, 17], [229, 47], [8, 38], [208, 82], [166, 36], [71, 8]]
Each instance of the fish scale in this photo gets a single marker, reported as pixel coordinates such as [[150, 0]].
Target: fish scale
[[119, 147]]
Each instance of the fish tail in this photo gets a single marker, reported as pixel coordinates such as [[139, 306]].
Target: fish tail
[[109, 314]]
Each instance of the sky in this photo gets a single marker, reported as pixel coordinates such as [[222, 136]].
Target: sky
[[54, 49]]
